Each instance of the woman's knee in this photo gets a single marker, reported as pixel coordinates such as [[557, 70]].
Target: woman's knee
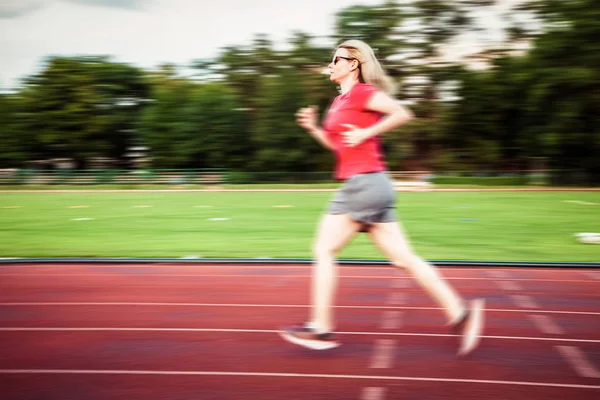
[[407, 260], [324, 249]]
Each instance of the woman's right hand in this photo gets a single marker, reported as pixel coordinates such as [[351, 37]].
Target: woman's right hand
[[307, 118]]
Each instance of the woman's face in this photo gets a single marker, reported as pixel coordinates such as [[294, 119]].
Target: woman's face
[[341, 65]]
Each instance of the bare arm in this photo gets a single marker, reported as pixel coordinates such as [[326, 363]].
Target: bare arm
[[321, 137], [307, 119], [395, 113], [395, 116]]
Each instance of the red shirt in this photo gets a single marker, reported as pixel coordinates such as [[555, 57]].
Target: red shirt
[[350, 108]]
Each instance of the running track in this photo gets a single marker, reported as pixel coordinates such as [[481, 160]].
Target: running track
[[173, 331]]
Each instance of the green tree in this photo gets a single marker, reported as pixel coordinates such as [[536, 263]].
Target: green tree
[[281, 145], [213, 133], [410, 39], [566, 58], [82, 107], [15, 147], [161, 126]]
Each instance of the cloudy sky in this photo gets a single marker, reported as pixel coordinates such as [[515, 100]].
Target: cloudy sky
[[148, 32]]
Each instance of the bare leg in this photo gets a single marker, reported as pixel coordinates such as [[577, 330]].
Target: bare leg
[[335, 231], [390, 239]]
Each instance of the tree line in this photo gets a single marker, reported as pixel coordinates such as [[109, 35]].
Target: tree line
[[237, 110]]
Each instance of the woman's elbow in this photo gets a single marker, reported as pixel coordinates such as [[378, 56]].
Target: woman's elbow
[[406, 115]]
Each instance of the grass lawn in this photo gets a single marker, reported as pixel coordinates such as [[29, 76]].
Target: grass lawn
[[500, 226]]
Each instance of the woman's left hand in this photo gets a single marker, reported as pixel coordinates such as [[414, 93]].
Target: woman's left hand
[[355, 135]]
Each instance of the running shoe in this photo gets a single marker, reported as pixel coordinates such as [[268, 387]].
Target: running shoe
[[305, 336], [470, 327]]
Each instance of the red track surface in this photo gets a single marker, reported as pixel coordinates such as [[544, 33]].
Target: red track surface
[[188, 332]]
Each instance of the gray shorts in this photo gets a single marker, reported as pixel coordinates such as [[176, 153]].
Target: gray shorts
[[367, 198]]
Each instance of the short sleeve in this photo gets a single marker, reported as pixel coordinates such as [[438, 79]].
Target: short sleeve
[[361, 93]]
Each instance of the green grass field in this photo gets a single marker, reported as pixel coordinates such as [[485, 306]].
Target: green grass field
[[499, 226]]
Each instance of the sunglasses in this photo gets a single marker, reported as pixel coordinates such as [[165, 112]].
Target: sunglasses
[[337, 58]]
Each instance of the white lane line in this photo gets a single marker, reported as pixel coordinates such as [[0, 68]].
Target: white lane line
[[292, 375], [523, 301], [578, 360], [546, 324], [271, 331], [262, 276], [401, 283], [392, 319], [509, 286], [396, 298], [250, 267], [497, 274], [373, 393], [594, 275], [373, 307], [383, 354], [255, 264]]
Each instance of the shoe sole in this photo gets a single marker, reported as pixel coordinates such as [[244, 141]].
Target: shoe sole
[[472, 335], [311, 344]]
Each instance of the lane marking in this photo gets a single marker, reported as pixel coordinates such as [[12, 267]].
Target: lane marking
[[392, 319], [405, 285], [220, 330], [249, 266], [593, 275], [524, 301], [401, 283], [373, 393], [293, 375], [383, 354], [585, 203], [396, 298], [497, 274], [509, 286], [578, 360], [546, 324], [373, 307]]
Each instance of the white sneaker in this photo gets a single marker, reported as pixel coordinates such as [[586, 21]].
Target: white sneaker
[[471, 327], [305, 336]]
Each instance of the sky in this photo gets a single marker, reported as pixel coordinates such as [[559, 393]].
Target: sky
[[147, 33]]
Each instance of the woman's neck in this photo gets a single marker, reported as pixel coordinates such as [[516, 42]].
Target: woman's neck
[[348, 83]]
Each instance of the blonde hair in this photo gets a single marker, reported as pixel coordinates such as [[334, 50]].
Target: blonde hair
[[370, 71]]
